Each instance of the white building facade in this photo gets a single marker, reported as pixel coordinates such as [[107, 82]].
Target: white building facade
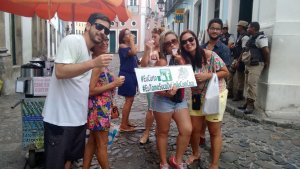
[[279, 86], [23, 39]]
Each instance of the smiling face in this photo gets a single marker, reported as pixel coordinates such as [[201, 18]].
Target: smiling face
[[214, 31], [100, 48], [98, 35], [170, 42], [188, 42]]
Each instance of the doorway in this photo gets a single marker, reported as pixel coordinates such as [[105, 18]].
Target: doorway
[[246, 7], [112, 42], [134, 32]]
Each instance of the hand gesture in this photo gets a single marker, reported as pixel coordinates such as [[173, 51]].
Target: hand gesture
[[118, 81], [102, 60], [132, 37], [174, 51], [172, 91], [201, 77], [149, 45]]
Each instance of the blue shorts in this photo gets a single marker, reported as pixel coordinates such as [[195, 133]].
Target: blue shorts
[[163, 104]]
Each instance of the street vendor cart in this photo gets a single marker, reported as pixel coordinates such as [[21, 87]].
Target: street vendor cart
[[34, 86]]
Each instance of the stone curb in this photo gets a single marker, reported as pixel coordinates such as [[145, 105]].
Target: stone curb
[[255, 117]]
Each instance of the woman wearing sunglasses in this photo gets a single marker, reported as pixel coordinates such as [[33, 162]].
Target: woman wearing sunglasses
[[204, 62], [102, 86], [171, 104], [128, 61], [150, 57]]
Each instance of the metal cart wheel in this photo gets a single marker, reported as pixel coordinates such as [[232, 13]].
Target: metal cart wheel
[[32, 158]]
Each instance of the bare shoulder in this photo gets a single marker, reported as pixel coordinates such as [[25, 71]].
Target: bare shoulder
[[208, 53], [122, 45]]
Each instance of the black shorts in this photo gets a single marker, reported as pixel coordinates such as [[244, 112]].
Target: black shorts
[[63, 143]]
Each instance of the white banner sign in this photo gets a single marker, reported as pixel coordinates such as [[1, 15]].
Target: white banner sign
[[163, 78]]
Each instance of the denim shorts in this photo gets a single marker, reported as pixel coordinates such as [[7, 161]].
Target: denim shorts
[[163, 104]]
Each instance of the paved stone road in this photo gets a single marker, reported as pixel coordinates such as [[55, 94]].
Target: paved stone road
[[246, 144]]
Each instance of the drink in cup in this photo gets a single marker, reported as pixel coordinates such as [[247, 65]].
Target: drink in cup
[[122, 77]]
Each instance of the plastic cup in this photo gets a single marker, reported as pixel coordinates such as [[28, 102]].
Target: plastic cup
[[174, 51], [122, 77]]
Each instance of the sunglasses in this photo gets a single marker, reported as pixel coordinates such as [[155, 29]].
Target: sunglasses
[[169, 43], [190, 39], [100, 27]]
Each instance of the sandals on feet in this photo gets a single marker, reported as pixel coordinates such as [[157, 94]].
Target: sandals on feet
[[191, 160], [144, 139], [132, 125], [164, 166], [176, 165], [130, 129]]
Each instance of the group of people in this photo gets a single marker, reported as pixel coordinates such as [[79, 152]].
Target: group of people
[[169, 49], [246, 74], [82, 89]]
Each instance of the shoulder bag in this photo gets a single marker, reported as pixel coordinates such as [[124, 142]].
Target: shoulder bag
[[114, 111]]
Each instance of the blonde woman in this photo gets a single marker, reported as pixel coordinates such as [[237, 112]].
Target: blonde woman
[[171, 104], [149, 59]]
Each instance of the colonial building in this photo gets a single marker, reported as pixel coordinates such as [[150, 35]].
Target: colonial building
[[279, 86], [23, 39], [144, 17]]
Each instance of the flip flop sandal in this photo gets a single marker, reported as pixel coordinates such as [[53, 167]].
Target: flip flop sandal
[[190, 161], [144, 139], [127, 130], [132, 125]]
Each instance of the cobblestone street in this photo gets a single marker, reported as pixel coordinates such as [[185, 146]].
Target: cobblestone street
[[246, 144]]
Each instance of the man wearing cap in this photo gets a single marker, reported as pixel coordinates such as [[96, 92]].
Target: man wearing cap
[[226, 37], [237, 68], [259, 59]]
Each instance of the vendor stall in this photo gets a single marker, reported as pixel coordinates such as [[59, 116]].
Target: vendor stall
[[34, 85]]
